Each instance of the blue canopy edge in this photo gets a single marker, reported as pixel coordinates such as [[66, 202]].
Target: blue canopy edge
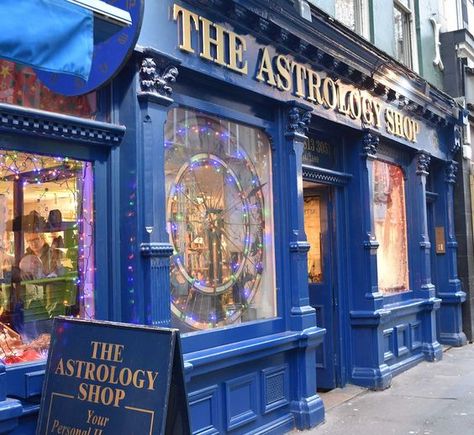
[[50, 35]]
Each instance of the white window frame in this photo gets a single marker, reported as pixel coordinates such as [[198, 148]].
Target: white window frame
[[361, 18], [411, 47]]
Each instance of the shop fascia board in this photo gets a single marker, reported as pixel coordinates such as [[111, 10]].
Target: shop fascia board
[[332, 38], [108, 19]]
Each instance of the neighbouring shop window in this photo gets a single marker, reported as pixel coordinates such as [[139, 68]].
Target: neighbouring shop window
[[46, 249], [312, 228], [20, 86], [402, 16], [390, 227], [220, 221]]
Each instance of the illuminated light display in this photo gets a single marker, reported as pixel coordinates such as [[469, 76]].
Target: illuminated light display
[[219, 208]]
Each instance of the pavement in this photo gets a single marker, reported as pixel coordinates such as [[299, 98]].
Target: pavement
[[429, 399]]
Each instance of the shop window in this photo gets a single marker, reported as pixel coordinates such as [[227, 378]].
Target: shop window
[[402, 16], [20, 86], [220, 221], [46, 249], [353, 14], [390, 227]]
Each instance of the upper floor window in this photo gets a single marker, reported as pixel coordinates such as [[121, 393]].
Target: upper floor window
[[353, 14], [403, 34]]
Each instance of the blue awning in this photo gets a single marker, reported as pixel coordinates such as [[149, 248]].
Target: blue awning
[[50, 35]]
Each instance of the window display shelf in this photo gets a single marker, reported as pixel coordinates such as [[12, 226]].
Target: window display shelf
[[64, 226], [70, 277]]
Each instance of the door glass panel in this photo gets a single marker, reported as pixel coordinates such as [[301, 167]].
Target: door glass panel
[[312, 227]]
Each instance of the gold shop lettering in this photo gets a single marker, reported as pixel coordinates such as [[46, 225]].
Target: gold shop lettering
[[216, 44], [107, 373]]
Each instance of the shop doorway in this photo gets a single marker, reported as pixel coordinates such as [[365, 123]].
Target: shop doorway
[[430, 215], [319, 215]]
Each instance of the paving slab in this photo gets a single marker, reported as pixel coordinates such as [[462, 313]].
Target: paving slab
[[429, 399]]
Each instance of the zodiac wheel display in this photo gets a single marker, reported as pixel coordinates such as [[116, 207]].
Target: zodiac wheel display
[[216, 222]]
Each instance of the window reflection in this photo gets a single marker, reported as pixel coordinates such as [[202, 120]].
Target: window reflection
[[390, 227]]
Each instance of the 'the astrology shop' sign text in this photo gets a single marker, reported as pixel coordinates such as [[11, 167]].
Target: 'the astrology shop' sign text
[[217, 44]]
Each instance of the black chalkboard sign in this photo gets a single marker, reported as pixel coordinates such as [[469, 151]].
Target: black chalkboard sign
[[107, 378]]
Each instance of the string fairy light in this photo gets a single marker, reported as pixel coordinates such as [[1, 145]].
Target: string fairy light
[[210, 153], [74, 180]]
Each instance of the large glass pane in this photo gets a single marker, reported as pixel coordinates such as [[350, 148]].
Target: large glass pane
[[390, 227], [220, 221], [46, 249]]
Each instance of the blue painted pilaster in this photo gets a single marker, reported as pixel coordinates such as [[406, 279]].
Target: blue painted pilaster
[[367, 313], [423, 287], [373, 299], [452, 296], [306, 406], [157, 73]]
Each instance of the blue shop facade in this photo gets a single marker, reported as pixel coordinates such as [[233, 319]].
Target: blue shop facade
[[273, 186]]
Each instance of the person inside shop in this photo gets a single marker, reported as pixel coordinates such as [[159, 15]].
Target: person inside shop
[[40, 260]]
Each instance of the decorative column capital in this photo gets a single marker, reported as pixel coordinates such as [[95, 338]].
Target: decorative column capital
[[157, 73], [370, 143], [299, 118], [451, 171], [423, 163], [155, 80]]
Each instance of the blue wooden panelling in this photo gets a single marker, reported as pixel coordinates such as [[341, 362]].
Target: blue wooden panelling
[[205, 411], [403, 340], [241, 400], [320, 353], [389, 344], [415, 331]]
